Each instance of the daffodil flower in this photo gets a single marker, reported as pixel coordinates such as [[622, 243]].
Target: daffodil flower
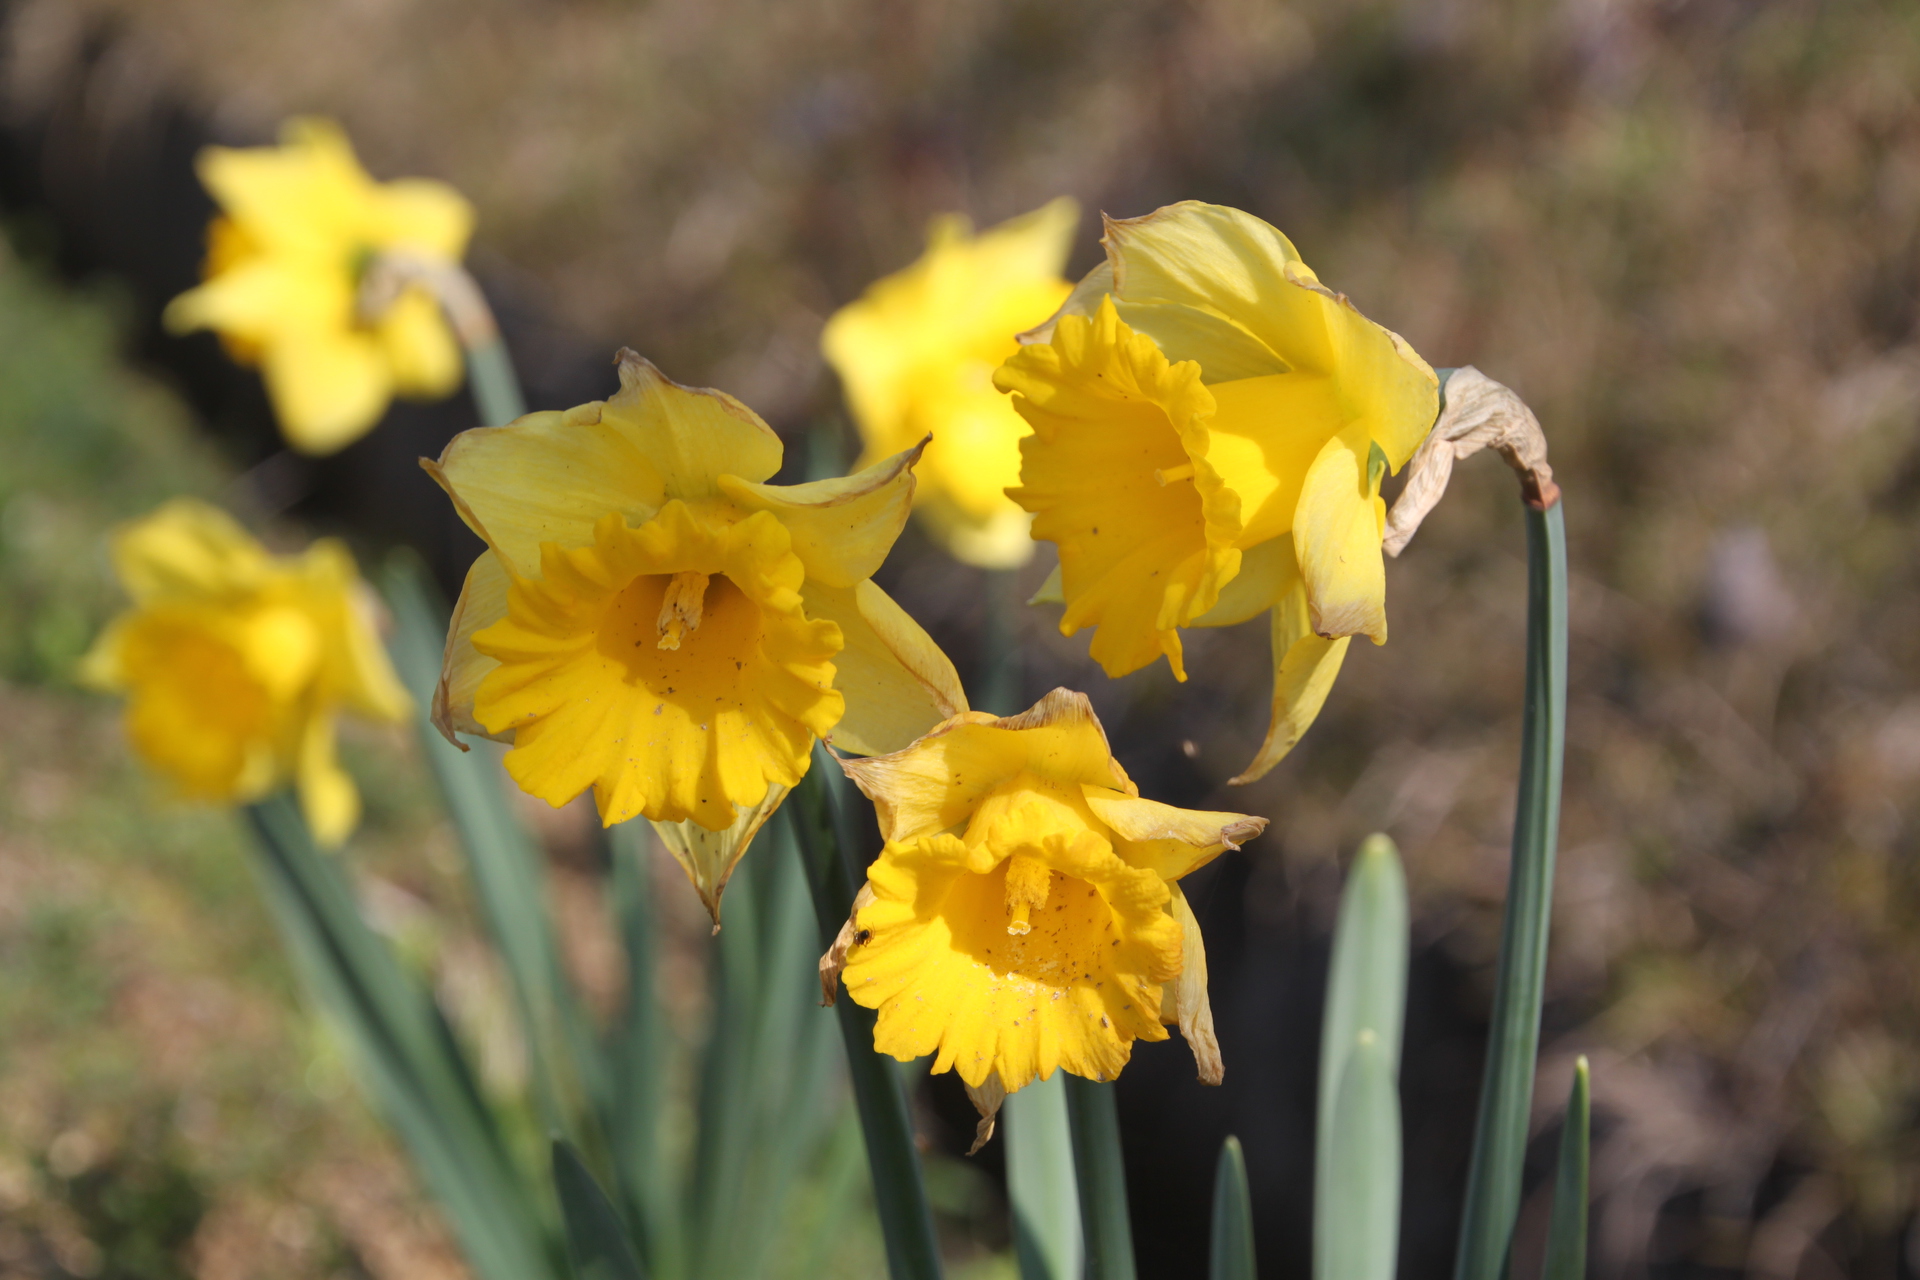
[[654, 622], [1211, 426], [292, 281], [916, 354], [1025, 915], [235, 662]]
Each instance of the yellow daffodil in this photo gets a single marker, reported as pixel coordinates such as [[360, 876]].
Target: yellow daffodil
[[1024, 915], [287, 281], [917, 352], [235, 662], [654, 622], [1211, 426]]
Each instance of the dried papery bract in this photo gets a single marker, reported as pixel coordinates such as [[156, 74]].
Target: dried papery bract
[[1478, 413]]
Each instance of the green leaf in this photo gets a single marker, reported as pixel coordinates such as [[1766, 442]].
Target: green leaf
[[1102, 1171], [899, 1194], [1366, 992], [637, 1055], [570, 1077], [1043, 1199], [1231, 1255], [1357, 1228], [1567, 1230], [1506, 1094], [406, 1056], [597, 1240]]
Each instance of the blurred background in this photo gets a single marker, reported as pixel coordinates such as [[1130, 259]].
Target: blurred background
[[1686, 231]]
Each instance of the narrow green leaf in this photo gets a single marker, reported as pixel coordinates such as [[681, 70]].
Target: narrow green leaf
[[403, 1051], [1366, 984], [570, 1076], [597, 1240], [899, 1194], [1231, 1257], [1358, 1231], [637, 1057], [1567, 1230], [1043, 1199], [1506, 1094], [1102, 1172]]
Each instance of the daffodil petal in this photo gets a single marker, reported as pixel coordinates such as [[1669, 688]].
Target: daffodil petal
[[328, 799], [1268, 570], [940, 779], [1264, 438], [263, 297], [305, 197], [1336, 537], [695, 435], [1187, 994], [843, 528], [1304, 665], [483, 602], [547, 477], [1168, 841], [358, 671], [424, 216], [329, 387], [897, 682], [187, 548], [419, 346]]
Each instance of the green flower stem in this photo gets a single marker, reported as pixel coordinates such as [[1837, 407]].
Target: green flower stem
[[998, 684], [1103, 1178], [1506, 1098], [899, 1194], [495, 386]]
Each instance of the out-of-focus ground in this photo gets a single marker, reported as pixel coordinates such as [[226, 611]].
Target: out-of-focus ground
[[1687, 232]]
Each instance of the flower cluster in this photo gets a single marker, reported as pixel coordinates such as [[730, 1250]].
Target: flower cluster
[[1201, 429]]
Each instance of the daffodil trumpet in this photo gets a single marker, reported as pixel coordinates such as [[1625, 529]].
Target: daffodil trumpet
[[236, 663], [653, 622], [1211, 428], [338, 287], [1025, 914]]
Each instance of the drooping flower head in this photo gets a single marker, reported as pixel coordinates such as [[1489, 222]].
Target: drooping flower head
[[288, 258], [917, 352], [1211, 426], [1024, 915], [235, 662], [652, 621]]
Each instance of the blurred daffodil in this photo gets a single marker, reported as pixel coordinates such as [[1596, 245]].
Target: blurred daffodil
[[916, 354], [235, 662], [1211, 426], [652, 621], [1025, 914], [315, 272]]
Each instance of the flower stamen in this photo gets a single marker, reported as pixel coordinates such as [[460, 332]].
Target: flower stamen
[[1167, 475], [681, 606], [1029, 881]]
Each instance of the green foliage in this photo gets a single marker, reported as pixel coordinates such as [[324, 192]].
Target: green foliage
[[1356, 1204], [1231, 1254], [597, 1239], [1567, 1229]]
